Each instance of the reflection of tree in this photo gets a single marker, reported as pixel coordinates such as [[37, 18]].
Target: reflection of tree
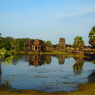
[[36, 59], [6, 85], [78, 65], [16, 58], [61, 59], [91, 77], [4, 57], [0, 67], [48, 59], [0, 71]]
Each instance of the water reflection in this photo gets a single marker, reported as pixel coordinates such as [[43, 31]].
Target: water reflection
[[61, 59], [91, 77], [78, 66], [53, 72], [48, 59], [36, 60]]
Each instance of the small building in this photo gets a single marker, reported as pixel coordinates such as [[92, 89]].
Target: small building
[[35, 45]]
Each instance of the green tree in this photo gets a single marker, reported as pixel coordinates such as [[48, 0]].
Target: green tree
[[78, 41], [0, 34], [48, 43], [5, 56], [15, 45], [92, 36]]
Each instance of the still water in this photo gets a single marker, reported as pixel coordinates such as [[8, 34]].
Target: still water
[[48, 73]]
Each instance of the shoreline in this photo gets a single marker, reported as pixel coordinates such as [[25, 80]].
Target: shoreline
[[84, 89]]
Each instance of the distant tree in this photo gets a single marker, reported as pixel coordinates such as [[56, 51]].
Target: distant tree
[[0, 34], [48, 43], [15, 45], [92, 36], [78, 41], [5, 42]]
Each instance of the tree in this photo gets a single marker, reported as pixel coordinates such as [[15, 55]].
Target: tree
[[48, 43], [78, 41], [0, 34], [15, 45], [92, 36]]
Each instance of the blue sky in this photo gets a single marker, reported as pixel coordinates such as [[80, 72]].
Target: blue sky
[[47, 19]]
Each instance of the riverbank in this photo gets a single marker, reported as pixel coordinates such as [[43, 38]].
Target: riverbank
[[85, 89], [69, 54]]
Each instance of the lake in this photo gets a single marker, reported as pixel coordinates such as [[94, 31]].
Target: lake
[[50, 73]]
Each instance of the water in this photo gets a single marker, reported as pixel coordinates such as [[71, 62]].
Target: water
[[50, 73]]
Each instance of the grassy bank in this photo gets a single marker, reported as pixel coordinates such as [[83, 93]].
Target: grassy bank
[[85, 89], [51, 53]]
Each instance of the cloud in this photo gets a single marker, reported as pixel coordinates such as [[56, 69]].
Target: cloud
[[64, 15], [74, 14]]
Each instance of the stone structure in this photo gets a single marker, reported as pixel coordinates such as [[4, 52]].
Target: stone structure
[[35, 45], [62, 44]]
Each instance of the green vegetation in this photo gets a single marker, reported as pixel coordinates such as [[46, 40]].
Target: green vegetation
[[12, 44], [78, 41], [48, 43], [92, 37], [5, 56]]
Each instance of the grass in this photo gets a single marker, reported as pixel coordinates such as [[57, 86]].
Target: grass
[[51, 52], [85, 89]]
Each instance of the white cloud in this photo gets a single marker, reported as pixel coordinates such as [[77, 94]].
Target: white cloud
[[65, 15], [74, 14]]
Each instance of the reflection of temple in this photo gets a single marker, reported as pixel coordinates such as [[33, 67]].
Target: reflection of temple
[[78, 65], [35, 45], [61, 59], [48, 59], [36, 60]]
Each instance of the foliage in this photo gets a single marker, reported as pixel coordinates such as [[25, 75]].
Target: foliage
[[48, 43], [5, 42], [92, 36], [5, 56], [3, 51], [10, 43], [78, 41]]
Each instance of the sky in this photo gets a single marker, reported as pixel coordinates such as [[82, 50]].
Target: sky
[[47, 19]]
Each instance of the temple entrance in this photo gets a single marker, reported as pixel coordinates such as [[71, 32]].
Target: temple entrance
[[36, 48]]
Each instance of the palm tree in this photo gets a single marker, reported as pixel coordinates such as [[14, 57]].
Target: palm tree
[[78, 41], [92, 37]]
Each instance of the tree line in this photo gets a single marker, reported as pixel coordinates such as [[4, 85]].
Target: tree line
[[17, 44]]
